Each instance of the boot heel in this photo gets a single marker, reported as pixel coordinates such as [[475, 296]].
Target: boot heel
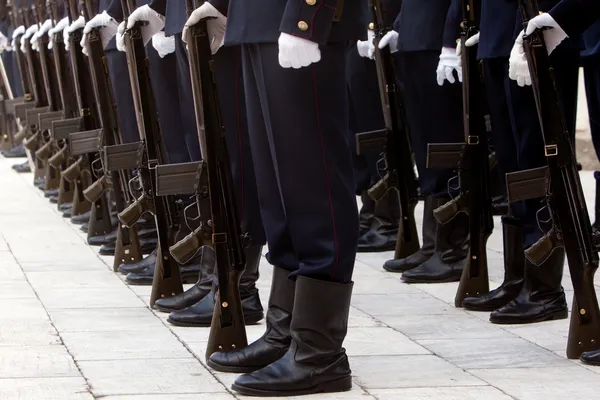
[[556, 315], [339, 385]]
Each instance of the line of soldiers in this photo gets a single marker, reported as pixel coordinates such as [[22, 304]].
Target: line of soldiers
[[197, 132]]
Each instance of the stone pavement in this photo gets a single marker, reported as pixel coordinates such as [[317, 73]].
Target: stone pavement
[[71, 329]]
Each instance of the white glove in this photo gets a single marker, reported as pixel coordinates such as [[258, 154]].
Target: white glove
[[156, 22], [27, 36], [390, 39], [366, 48], [121, 37], [553, 37], [4, 43], [215, 25], [79, 23], [518, 68], [447, 65], [296, 52], [16, 33], [107, 28], [163, 44], [58, 28], [46, 26], [19, 31], [34, 42]]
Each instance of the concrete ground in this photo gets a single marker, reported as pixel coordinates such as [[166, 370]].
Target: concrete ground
[[71, 329]]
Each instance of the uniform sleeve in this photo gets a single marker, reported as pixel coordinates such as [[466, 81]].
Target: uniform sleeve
[[160, 6], [452, 27], [115, 10], [309, 19], [575, 16], [221, 5]]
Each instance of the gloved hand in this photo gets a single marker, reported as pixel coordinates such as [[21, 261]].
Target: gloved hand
[[163, 44], [216, 24], [121, 37], [27, 36], [79, 23], [107, 28], [389, 39], [35, 39], [57, 29], [366, 48], [518, 68], [447, 65], [16, 33], [156, 22], [296, 52], [553, 37]]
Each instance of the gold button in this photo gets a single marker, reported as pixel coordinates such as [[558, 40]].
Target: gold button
[[303, 26], [372, 26], [311, 2]]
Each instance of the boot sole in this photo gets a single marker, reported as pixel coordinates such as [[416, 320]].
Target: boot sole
[[595, 363], [232, 369], [555, 315], [399, 271], [338, 385], [482, 309], [249, 319], [376, 249], [185, 278]]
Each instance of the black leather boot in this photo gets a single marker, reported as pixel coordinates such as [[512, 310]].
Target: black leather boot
[[316, 362], [197, 292], [426, 250], [274, 343], [451, 250], [81, 218], [514, 262], [200, 314], [542, 297], [189, 274], [591, 357], [138, 266], [110, 237], [366, 214], [383, 231]]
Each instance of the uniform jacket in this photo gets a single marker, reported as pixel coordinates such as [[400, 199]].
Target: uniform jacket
[[174, 12], [575, 16], [497, 27], [591, 40], [426, 25], [262, 21], [115, 10]]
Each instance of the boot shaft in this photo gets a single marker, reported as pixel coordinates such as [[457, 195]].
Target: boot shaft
[[514, 253]]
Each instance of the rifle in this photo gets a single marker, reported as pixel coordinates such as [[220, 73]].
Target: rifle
[[167, 277], [7, 121], [473, 163], [227, 331], [559, 182], [395, 139], [127, 249]]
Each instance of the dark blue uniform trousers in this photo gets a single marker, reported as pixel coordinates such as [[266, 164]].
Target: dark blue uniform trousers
[[528, 134], [121, 85], [591, 70], [434, 115], [164, 84], [230, 87], [298, 125], [186, 99], [365, 114], [12, 72]]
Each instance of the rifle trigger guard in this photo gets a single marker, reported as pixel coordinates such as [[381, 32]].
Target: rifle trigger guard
[[551, 150]]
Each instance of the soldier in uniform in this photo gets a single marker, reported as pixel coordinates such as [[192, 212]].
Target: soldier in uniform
[[378, 222], [293, 60], [195, 306], [434, 115], [541, 297], [495, 43]]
